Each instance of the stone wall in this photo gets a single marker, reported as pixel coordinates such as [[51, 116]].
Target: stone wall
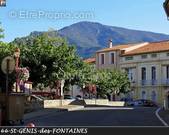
[[58, 103]]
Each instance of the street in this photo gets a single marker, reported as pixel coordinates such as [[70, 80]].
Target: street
[[100, 116]]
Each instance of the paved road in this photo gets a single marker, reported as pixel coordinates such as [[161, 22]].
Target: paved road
[[100, 116]]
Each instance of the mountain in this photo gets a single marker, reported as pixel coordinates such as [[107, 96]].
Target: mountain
[[90, 36]]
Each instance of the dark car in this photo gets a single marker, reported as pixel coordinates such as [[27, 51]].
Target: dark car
[[128, 101], [145, 102], [78, 97]]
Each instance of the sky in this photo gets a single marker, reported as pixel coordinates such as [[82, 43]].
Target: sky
[[20, 17]]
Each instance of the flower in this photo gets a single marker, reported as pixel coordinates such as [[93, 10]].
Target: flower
[[23, 74]]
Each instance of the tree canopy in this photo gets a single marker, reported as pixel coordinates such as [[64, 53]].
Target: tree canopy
[[112, 81], [51, 58], [1, 32]]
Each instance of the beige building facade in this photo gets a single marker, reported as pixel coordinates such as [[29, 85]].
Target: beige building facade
[[147, 66]]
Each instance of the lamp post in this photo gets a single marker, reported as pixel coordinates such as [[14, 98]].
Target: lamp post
[[17, 55]]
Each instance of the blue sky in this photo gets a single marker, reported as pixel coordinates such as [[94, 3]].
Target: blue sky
[[145, 15]]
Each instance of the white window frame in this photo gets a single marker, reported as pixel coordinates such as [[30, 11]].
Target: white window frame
[[110, 59], [100, 60]]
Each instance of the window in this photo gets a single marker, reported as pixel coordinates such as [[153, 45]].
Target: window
[[129, 58], [102, 59], [144, 56], [112, 58], [167, 54], [143, 73], [167, 72], [129, 73], [154, 55], [153, 73]]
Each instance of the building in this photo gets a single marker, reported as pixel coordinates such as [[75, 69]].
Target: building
[[147, 66]]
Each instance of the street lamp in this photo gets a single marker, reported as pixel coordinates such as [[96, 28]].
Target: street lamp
[[166, 7], [17, 55]]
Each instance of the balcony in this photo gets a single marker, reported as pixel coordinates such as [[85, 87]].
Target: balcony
[[144, 82], [153, 82], [148, 82], [165, 82]]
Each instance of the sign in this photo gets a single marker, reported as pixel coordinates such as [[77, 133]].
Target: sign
[[11, 65]]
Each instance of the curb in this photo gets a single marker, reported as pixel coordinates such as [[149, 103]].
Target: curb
[[158, 116]]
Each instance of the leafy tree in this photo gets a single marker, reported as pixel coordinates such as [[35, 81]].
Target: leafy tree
[[1, 33], [86, 75], [6, 50], [49, 59], [112, 82]]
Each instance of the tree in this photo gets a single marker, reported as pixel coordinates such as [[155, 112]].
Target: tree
[[6, 50], [1, 33], [49, 59], [86, 75], [112, 82]]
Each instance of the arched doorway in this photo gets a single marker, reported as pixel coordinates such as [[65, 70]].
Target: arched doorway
[[143, 95]]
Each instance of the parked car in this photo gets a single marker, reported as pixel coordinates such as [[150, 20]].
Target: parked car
[[78, 97], [142, 102], [149, 103], [128, 101]]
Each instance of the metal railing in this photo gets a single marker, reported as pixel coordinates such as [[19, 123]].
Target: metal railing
[[165, 82], [148, 82]]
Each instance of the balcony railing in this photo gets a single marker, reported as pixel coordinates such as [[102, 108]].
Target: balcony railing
[[148, 82], [144, 82], [165, 81], [154, 82]]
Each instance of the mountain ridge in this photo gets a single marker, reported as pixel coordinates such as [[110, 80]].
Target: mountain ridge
[[92, 36]]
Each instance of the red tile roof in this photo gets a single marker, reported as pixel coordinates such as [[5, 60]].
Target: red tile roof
[[114, 48], [150, 48], [90, 60]]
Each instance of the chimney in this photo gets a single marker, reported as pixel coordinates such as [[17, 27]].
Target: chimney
[[110, 43]]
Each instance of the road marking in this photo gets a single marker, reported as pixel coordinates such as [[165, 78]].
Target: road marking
[[158, 116], [105, 108]]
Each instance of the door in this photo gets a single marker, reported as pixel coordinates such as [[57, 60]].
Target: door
[[143, 95], [153, 96]]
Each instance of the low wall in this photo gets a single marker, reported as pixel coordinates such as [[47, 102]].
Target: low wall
[[104, 102], [51, 103], [58, 103], [117, 103], [90, 102], [67, 101]]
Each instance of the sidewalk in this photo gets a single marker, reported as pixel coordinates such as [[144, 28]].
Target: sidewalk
[[47, 111], [164, 114]]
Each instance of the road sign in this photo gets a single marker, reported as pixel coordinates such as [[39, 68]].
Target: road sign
[[8, 62]]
